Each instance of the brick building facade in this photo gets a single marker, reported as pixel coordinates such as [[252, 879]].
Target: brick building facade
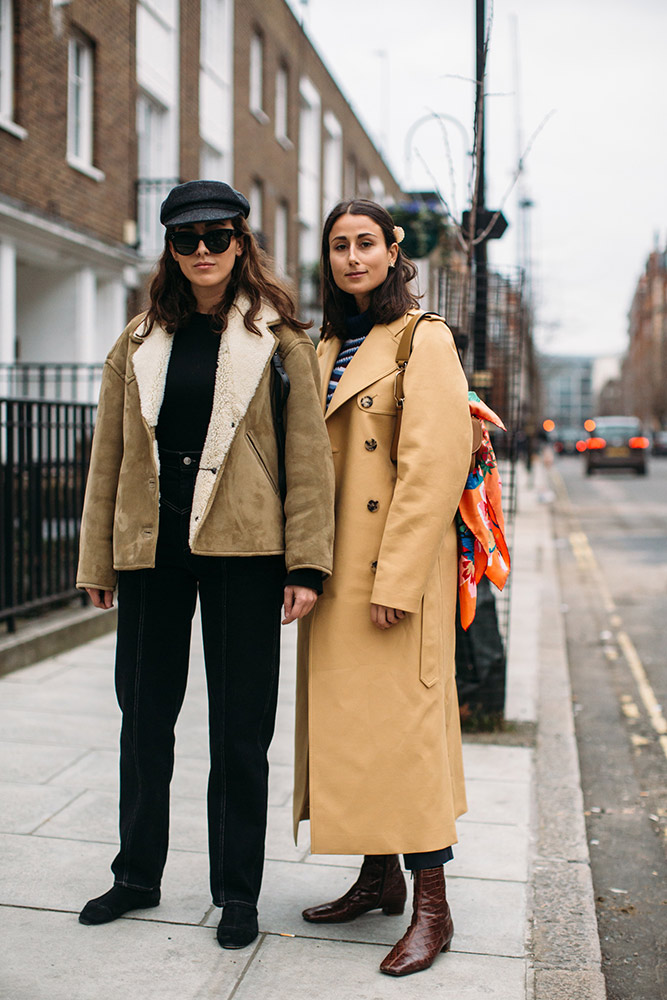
[[105, 104], [644, 369], [65, 188]]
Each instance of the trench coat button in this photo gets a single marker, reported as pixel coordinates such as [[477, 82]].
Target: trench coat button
[[374, 566], [373, 505], [366, 402], [187, 460], [371, 444]]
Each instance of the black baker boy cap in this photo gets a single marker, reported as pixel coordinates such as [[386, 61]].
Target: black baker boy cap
[[202, 201]]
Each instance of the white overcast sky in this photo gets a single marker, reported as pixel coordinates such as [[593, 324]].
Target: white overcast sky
[[597, 172]]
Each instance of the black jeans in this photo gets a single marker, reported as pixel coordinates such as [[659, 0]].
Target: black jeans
[[240, 600]]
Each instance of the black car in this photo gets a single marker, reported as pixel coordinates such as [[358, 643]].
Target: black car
[[617, 443]]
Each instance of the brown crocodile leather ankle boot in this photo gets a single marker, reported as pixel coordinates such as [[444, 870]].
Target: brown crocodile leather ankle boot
[[431, 928], [380, 884]]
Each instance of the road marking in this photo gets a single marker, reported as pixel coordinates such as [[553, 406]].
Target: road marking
[[645, 690], [586, 561]]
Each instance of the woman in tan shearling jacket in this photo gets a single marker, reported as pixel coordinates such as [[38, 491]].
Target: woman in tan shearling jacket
[[378, 745], [183, 502]]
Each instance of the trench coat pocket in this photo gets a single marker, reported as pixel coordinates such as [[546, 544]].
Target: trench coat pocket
[[432, 649], [261, 460]]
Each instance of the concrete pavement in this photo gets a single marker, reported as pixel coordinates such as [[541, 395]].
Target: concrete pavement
[[519, 885]]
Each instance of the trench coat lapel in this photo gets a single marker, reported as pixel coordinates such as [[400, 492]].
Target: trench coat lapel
[[375, 358]]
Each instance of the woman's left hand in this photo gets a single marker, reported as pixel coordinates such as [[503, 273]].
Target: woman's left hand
[[299, 601], [385, 617]]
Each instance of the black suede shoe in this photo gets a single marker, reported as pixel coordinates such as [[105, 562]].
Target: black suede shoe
[[117, 901], [238, 925]]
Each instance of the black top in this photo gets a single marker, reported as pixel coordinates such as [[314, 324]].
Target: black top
[[188, 393], [188, 399]]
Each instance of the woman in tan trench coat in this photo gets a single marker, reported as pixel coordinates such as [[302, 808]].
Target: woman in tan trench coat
[[378, 745]]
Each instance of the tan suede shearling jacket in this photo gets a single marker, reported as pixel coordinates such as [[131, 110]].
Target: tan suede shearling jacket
[[237, 510]]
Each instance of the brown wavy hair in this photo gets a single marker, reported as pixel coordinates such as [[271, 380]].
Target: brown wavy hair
[[389, 300], [172, 301]]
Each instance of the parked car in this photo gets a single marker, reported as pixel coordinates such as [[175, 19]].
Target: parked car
[[617, 443], [659, 446], [565, 440]]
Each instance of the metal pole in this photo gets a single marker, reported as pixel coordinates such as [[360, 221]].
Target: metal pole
[[480, 255]]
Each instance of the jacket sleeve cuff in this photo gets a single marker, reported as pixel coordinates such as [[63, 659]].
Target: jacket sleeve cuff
[[305, 578]]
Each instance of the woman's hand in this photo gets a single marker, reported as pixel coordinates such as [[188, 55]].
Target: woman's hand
[[385, 617], [299, 601], [102, 599], [485, 412]]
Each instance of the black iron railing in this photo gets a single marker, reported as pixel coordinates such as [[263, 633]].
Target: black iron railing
[[50, 380], [44, 455]]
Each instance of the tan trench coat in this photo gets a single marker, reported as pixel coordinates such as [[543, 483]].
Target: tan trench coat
[[236, 509], [378, 745]]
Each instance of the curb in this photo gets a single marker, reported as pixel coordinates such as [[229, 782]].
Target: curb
[[53, 634], [565, 943]]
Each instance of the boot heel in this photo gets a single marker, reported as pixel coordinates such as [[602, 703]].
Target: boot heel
[[394, 908]]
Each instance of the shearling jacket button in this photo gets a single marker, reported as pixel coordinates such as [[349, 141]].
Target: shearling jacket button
[[366, 402], [373, 505], [187, 460], [371, 444], [374, 566]]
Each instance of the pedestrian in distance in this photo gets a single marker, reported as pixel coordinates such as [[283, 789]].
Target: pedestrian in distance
[[378, 746], [183, 502]]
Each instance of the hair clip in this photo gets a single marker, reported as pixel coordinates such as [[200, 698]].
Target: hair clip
[[399, 234]]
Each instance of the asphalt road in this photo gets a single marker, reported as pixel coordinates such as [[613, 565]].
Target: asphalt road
[[611, 531]]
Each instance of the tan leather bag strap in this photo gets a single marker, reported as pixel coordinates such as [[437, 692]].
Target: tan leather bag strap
[[402, 357]]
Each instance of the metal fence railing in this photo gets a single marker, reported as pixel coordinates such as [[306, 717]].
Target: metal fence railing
[[44, 455], [50, 380], [507, 346]]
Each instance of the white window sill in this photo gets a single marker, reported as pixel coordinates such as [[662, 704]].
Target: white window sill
[[9, 126], [285, 142], [260, 115], [87, 169]]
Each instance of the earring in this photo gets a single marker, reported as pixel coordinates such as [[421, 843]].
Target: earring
[[392, 263]]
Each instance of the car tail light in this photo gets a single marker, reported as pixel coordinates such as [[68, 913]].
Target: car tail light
[[580, 446], [596, 443], [639, 442]]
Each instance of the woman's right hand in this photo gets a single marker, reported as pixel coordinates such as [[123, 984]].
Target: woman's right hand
[[385, 617], [102, 599]]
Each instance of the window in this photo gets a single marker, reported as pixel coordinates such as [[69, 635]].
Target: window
[[280, 239], [256, 217], [216, 89], [6, 60], [80, 103], [282, 84], [215, 29], [257, 75], [332, 175]]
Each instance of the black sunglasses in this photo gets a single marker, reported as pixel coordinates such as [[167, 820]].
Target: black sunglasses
[[215, 241]]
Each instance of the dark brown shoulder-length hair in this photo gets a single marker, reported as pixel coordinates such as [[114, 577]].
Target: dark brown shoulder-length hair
[[172, 301], [389, 300]]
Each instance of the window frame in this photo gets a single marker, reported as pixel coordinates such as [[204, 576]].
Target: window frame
[[256, 76], [80, 113]]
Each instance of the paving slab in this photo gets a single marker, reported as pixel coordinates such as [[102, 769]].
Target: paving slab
[[93, 816], [329, 970], [36, 764], [489, 917], [44, 873], [125, 959], [497, 763], [24, 808]]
